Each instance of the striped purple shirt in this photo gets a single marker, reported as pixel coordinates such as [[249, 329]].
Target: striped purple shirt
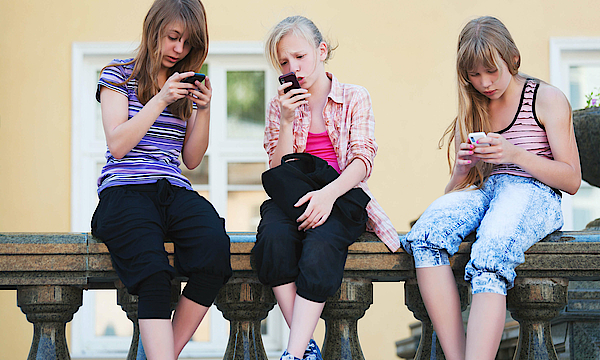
[[156, 156], [525, 131]]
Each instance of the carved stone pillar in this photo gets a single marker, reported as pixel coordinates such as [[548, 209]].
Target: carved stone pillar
[[533, 302], [429, 343], [49, 308], [245, 302], [341, 314], [129, 304]]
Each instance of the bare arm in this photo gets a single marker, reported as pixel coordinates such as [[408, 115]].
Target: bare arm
[[360, 154], [321, 201], [122, 135], [564, 171], [288, 104]]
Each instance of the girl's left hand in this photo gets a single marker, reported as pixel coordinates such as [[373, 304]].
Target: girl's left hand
[[318, 209], [500, 150], [202, 94]]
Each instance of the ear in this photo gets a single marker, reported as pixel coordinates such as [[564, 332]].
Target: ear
[[517, 62], [322, 50]]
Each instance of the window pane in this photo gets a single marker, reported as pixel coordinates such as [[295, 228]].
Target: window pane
[[245, 173], [111, 320], [245, 104], [582, 81], [585, 206], [204, 69], [243, 210], [199, 175]]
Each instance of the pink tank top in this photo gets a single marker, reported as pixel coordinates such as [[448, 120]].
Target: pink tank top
[[320, 145], [525, 131]]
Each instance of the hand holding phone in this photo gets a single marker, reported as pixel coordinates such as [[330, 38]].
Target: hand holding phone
[[289, 77], [473, 137], [192, 79]]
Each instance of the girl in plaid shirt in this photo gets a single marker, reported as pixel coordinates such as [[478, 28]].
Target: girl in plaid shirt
[[303, 258]]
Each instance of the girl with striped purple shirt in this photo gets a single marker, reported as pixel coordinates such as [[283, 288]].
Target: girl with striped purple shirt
[[506, 187], [151, 119]]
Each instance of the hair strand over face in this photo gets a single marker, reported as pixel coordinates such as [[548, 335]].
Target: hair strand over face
[[483, 41], [190, 14]]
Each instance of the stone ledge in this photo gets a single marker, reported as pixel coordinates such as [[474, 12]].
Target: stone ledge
[[81, 259]]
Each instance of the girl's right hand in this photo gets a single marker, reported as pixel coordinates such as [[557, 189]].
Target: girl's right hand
[[174, 89], [465, 158], [290, 101]]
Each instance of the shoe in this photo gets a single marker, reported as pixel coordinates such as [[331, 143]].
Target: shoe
[[288, 356], [312, 351]]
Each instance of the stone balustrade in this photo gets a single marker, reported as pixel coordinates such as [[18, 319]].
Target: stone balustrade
[[50, 272]]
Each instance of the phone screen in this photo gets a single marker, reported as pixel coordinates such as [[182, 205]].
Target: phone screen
[[289, 77], [192, 79]]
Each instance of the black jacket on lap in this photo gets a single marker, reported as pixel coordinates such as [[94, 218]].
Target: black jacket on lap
[[300, 173]]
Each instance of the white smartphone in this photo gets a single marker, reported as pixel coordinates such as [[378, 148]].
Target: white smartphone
[[476, 136]]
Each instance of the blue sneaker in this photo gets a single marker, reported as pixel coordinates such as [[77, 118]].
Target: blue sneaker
[[288, 356], [312, 351]]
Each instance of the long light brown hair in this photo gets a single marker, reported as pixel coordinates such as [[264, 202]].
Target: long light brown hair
[[483, 41], [192, 16]]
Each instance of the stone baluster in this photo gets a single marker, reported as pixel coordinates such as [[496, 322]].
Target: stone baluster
[[429, 345], [341, 314], [129, 304], [533, 302], [576, 331], [245, 302], [49, 308]]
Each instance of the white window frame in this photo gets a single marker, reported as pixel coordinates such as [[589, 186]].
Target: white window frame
[[560, 47], [87, 58]]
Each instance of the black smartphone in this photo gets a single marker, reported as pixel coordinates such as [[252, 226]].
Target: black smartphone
[[192, 79], [289, 77]]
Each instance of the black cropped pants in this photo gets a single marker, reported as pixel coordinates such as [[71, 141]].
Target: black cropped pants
[[314, 258], [134, 221]]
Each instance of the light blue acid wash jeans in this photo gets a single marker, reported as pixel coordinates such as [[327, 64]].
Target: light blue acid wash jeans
[[510, 214]]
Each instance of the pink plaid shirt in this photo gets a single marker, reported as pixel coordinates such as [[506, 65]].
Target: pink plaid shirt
[[351, 127]]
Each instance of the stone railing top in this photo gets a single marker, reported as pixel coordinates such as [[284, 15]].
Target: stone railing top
[[82, 260]]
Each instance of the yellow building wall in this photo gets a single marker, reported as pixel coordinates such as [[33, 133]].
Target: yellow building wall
[[401, 51]]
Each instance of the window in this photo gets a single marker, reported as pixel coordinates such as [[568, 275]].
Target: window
[[229, 176], [575, 69]]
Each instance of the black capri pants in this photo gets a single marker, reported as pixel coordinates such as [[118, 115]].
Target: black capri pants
[[314, 258], [134, 220]]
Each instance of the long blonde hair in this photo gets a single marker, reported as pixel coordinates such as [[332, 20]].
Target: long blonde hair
[[192, 16], [483, 41], [298, 25]]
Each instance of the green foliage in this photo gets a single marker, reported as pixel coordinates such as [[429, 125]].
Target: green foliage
[[245, 96]]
